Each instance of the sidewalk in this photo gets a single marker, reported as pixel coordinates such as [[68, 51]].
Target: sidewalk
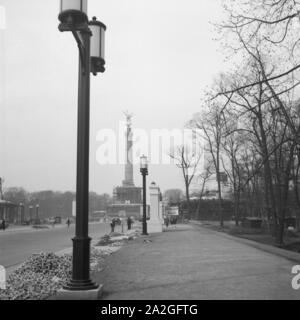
[[15, 229], [290, 255], [18, 229], [191, 262]]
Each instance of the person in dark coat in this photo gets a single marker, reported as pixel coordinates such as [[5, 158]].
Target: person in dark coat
[[112, 225], [129, 222], [167, 221], [3, 225]]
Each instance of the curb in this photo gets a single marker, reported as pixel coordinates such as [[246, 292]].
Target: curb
[[28, 230], [290, 255]]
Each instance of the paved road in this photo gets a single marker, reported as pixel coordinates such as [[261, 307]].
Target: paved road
[[16, 246], [195, 263]]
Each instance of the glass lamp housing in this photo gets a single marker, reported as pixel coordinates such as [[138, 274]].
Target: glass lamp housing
[[97, 45], [143, 163], [73, 11]]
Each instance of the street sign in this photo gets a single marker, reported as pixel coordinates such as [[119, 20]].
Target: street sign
[[174, 211]]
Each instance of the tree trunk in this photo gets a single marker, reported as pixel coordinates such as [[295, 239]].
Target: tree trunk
[[268, 174], [236, 207], [296, 175], [220, 201], [187, 193], [235, 191], [198, 209], [284, 197]]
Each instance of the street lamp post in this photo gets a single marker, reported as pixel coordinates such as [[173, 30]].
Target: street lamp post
[[22, 217], [90, 40], [144, 172], [37, 213], [30, 213]]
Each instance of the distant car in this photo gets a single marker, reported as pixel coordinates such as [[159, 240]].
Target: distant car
[[51, 220], [55, 220], [58, 220]]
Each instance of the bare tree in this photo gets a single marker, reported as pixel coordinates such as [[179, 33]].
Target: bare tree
[[295, 175], [202, 179], [275, 126], [211, 126], [188, 161], [232, 145], [271, 26], [174, 196]]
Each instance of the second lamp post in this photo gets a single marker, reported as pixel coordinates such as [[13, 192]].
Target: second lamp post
[[90, 40], [144, 172]]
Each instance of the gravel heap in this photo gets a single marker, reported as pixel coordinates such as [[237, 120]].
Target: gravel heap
[[38, 278], [43, 274]]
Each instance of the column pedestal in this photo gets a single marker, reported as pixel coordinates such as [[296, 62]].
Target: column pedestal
[[155, 224]]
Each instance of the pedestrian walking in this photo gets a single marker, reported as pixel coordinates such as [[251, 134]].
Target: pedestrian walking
[[129, 222], [3, 225], [112, 225], [167, 221], [68, 222]]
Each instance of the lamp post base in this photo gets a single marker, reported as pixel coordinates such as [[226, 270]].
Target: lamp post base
[[80, 285], [87, 294], [155, 226], [144, 232]]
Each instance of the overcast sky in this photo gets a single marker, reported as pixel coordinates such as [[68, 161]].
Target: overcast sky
[[160, 56]]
